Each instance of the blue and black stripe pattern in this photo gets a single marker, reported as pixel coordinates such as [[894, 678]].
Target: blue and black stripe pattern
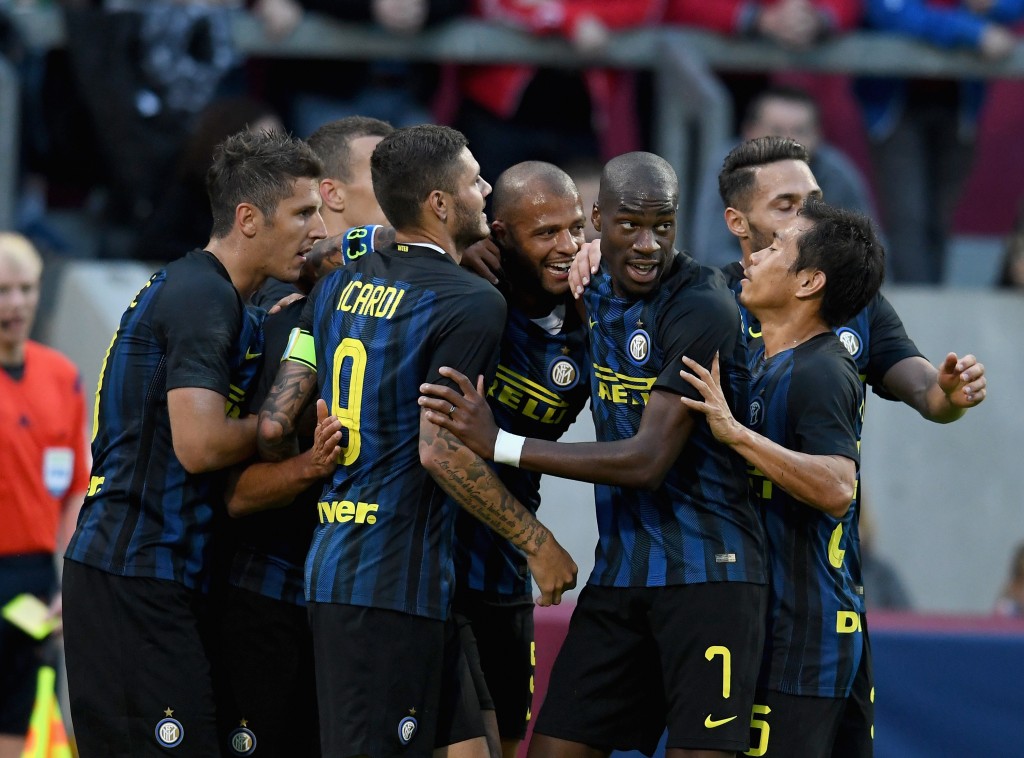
[[539, 388], [382, 326], [699, 525]]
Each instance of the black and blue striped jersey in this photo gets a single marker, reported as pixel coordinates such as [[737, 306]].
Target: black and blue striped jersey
[[269, 548], [875, 339], [699, 525], [144, 515], [539, 388], [809, 399], [383, 325]]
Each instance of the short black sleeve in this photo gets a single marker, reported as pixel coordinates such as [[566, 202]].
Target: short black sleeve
[[824, 402], [697, 322], [199, 317], [471, 336], [889, 343]]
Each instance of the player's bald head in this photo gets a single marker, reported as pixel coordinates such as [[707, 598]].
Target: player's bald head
[[638, 174], [525, 184]]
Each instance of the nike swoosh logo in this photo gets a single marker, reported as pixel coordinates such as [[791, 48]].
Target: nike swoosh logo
[[752, 333], [711, 723], [250, 356], [592, 323]]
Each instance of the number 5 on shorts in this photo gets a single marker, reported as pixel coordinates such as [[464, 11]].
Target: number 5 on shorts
[[762, 728]]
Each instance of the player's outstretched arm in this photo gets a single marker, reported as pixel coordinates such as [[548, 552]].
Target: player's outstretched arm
[[263, 486], [468, 480], [279, 415], [639, 462], [825, 482], [940, 395], [204, 439]]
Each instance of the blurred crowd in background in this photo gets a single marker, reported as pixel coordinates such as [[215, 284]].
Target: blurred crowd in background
[[120, 121]]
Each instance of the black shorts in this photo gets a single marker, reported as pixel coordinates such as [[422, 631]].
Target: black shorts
[[137, 656], [20, 654], [638, 660], [505, 641], [263, 672], [389, 683], [856, 735], [794, 726]]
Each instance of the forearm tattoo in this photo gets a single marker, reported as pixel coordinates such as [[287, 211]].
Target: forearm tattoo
[[473, 485], [293, 389]]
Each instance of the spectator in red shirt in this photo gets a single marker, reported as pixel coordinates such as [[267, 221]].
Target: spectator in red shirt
[[45, 475], [512, 113]]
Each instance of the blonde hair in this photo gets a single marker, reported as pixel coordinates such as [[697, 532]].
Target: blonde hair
[[16, 248]]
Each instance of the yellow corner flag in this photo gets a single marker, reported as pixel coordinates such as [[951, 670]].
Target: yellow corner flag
[[46, 735]]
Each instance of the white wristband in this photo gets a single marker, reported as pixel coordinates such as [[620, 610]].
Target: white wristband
[[508, 448]]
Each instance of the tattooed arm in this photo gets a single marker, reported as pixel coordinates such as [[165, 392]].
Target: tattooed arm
[[293, 388], [468, 480]]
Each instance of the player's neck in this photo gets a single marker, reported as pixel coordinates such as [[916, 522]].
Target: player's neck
[[240, 271], [423, 236], [784, 329], [747, 253]]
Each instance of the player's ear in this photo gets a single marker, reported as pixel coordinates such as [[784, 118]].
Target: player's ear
[[332, 192], [439, 204], [247, 218], [499, 232], [737, 222], [812, 282], [595, 218]]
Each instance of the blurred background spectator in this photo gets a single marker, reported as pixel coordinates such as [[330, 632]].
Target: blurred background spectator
[[1011, 273], [923, 132], [884, 589], [181, 219], [511, 113], [1011, 599], [45, 465], [779, 111], [309, 93], [792, 24], [144, 71]]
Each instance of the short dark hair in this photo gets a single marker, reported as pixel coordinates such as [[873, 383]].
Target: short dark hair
[[787, 93], [409, 164], [513, 185], [638, 167], [333, 142], [258, 168], [736, 179], [844, 245]]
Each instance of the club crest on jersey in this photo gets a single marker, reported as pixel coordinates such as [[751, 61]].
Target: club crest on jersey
[[169, 732], [564, 373], [851, 340], [640, 347], [407, 729], [242, 741], [754, 413]]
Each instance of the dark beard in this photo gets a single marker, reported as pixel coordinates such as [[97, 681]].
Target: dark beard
[[467, 228], [759, 239]]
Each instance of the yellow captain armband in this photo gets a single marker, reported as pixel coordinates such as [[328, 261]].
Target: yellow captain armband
[[300, 348]]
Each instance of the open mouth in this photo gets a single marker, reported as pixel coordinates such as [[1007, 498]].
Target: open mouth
[[560, 269], [643, 270]]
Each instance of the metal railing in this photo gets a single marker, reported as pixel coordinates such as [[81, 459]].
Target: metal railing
[[693, 111]]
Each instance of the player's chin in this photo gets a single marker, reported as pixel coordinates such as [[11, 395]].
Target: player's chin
[[293, 270]]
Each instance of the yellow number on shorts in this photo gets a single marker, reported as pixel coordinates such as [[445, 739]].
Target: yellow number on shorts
[[723, 651], [355, 352], [762, 728]]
